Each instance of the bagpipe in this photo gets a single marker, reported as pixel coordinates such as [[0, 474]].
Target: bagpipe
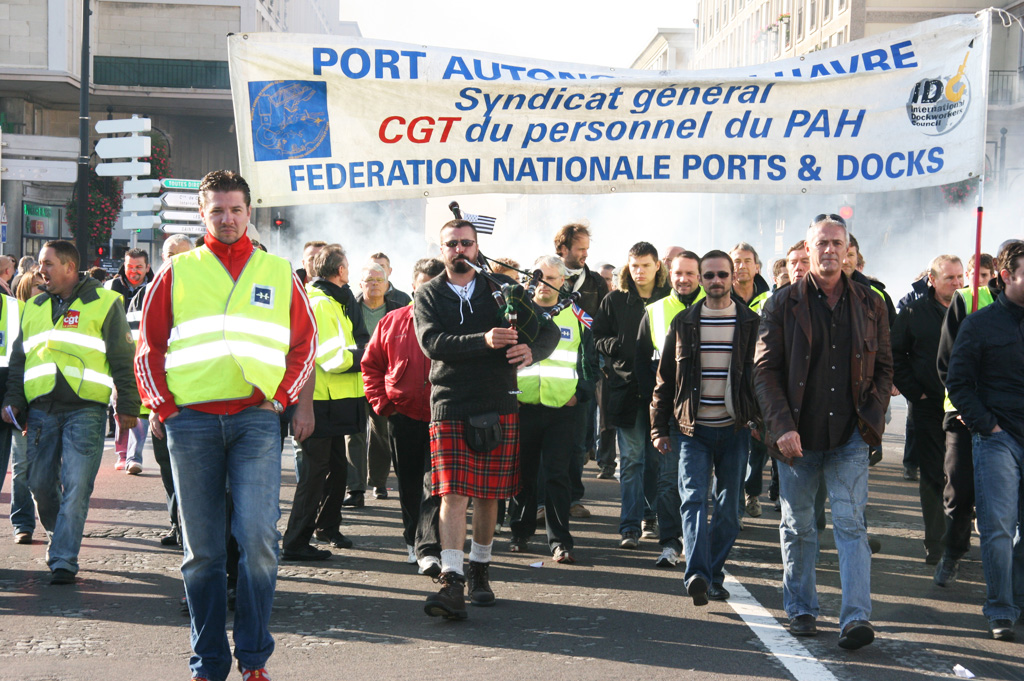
[[514, 300]]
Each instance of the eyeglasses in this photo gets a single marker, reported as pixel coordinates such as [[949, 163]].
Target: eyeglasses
[[373, 281], [721, 274], [465, 243], [831, 217]]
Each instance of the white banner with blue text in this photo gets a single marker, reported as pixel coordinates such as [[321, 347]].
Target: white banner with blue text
[[325, 119]]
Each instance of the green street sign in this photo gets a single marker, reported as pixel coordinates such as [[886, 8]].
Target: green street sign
[[174, 183]]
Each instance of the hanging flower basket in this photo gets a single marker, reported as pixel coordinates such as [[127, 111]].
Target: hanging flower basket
[[103, 206], [958, 193]]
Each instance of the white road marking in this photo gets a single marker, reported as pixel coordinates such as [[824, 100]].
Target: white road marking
[[779, 642]]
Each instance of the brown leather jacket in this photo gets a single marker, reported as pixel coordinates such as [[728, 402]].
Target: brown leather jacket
[[677, 393], [782, 360]]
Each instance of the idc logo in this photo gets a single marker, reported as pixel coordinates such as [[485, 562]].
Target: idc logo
[[937, 105], [262, 296], [71, 319]]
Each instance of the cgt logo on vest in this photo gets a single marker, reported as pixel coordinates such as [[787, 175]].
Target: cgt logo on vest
[[937, 105], [71, 319]]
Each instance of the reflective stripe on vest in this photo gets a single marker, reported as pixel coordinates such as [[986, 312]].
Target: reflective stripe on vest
[[334, 357], [227, 336], [72, 345], [10, 327], [552, 381], [984, 299], [661, 313]]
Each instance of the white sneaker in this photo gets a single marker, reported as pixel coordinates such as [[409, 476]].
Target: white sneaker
[[134, 468], [412, 554], [430, 566], [669, 558]]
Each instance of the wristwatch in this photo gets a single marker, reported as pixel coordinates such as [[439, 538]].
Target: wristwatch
[[278, 407]]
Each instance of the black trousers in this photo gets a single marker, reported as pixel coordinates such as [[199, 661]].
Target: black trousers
[[606, 452], [929, 454], [958, 495], [163, 460], [421, 511], [322, 470], [546, 438]]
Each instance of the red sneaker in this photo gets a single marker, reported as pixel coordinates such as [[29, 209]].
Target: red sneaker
[[121, 462], [255, 675]]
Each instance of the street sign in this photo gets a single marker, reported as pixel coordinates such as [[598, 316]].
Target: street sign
[[41, 146], [28, 170], [125, 147], [171, 228], [140, 221], [126, 169], [141, 186], [175, 183], [122, 125], [180, 216], [3, 223], [180, 200], [145, 204]]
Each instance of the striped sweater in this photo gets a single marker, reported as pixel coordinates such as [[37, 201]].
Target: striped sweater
[[717, 329]]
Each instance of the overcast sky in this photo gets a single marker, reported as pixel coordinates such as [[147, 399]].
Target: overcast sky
[[601, 33]]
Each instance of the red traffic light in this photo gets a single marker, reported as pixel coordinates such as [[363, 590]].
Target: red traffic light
[[99, 251], [278, 222], [846, 212]]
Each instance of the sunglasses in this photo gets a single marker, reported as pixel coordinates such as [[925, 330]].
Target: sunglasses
[[829, 216], [721, 274], [465, 243]]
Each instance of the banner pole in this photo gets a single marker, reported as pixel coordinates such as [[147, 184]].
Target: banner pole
[[986, 51]]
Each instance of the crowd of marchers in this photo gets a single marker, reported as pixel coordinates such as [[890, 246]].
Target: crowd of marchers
[[487, 390]]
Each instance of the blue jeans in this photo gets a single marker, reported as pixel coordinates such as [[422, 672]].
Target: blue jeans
[[210, 452], [23, 509], [670, 524], [723, 450], [999, 479], [64, 455], [846, 477], [636, 455]]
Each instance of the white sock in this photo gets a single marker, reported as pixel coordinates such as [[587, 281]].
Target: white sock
[[451, 560], [480, 553]]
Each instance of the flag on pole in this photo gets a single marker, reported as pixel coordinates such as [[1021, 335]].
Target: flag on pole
[[483, 224]]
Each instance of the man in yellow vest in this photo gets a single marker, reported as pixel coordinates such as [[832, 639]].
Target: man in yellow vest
[[684, 275], [958, 459], [227, 342], [75, 348], [10, 329], [338, 411], [552, 392]]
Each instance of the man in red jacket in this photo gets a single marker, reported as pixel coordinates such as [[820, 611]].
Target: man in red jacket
[[396, 376], [217, 368]]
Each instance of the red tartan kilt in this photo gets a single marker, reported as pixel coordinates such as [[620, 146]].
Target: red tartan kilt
[[457, 469]]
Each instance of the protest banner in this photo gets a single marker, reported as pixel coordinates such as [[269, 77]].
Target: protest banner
[[325, 119]]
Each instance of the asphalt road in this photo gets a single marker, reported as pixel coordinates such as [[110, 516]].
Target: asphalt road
[[614, 615]]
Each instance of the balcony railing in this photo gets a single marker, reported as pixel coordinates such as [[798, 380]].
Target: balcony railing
[[174, 73], [1005, 87]]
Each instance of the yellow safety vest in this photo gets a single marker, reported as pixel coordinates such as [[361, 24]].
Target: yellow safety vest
[[227, 336], [10, 327], [984, 299], [73, 345], [334, 357], [660, 314], [552, 381], [758, 301]]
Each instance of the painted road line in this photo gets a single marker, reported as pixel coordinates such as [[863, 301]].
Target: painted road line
[[779, 642]]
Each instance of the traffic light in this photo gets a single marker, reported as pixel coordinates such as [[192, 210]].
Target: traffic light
[[280, 222], [99, 251], [846, 212]]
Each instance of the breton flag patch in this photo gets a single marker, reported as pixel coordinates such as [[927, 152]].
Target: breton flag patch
[[262, 296]]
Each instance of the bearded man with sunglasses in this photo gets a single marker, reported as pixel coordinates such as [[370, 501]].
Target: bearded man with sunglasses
[[474, 410], [703, 406]]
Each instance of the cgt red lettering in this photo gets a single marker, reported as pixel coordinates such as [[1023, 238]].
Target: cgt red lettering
[[419, 130], [71, 319]]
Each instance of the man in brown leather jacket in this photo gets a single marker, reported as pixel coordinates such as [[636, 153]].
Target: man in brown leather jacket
[[823, 373]]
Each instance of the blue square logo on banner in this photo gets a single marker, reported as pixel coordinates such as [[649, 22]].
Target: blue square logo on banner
[[289, 119]]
